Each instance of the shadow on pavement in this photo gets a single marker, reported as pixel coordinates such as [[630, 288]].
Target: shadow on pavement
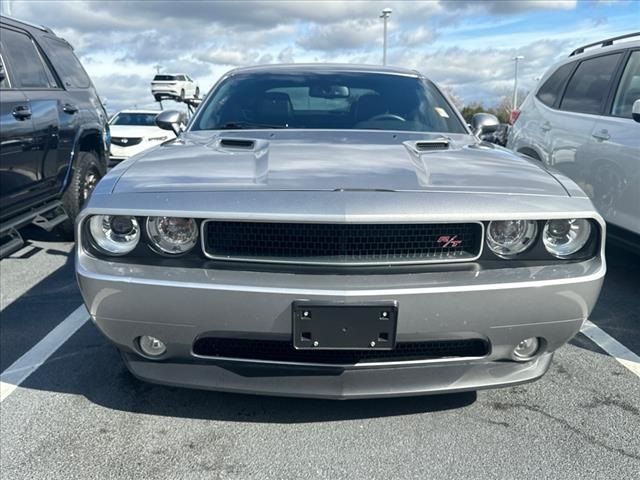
[[30, 317]]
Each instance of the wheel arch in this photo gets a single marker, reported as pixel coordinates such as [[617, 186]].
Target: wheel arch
[[89, 138], [530, 152]]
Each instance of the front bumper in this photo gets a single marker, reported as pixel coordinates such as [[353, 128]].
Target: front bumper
[[179, 304]]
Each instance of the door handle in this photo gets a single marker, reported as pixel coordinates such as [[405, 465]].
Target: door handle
[[22, 112], [545, 127], [69, 108], [601, 135]]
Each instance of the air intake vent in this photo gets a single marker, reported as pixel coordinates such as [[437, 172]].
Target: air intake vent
[[283, 351], [430, 145], [237, 143]]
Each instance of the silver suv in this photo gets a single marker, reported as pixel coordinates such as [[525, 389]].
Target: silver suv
[[582, 119]]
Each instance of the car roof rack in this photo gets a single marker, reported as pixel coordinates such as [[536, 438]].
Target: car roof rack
[[603, 43]]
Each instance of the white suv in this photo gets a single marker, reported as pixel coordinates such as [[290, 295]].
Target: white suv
[[165, 85], [582, 119]]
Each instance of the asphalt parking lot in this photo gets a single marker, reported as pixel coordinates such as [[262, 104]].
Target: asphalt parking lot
[[81, 415]]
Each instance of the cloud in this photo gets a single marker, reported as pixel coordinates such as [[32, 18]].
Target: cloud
[[347, 35], [286, 55], [420, 36], [468, 45]]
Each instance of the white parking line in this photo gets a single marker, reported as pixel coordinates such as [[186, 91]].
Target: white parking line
[[28, 363], [613, 347]]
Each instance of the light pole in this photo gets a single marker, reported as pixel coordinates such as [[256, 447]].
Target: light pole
[[386, 13], [515, 83], [157, 67]]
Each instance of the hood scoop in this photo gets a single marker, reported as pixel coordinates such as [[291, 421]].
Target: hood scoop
[[431, 145], [237, 143]]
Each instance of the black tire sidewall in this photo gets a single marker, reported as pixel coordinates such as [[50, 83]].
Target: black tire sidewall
[[72, 198]]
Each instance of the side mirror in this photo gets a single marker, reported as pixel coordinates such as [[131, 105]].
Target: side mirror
[[170, 120], [482, 123], [635, 111]]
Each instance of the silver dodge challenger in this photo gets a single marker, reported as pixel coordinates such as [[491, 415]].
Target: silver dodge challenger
[[336, 231]]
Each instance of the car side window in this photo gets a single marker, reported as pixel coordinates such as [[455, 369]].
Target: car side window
[[67, 65], [552, 88], [4, 75], [629, 88], [27, 66], [589, 86]]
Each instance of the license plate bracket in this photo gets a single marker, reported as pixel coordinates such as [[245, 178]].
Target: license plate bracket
[[338, 326]]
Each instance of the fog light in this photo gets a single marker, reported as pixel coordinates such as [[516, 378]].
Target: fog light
[[527, 348], [151, 346]]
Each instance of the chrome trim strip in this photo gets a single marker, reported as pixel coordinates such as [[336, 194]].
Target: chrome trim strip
[[345, 366], [338, 264]]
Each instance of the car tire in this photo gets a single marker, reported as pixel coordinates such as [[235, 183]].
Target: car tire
[[182, 94], [197, 92], [84, 178]]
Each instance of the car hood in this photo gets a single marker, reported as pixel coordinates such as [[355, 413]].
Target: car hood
[[137, 131], [332, 160]]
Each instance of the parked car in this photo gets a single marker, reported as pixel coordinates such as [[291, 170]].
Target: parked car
[[179, 86], [336, 231], [134, 131], [53, 132], [498, 136], [580, 121]]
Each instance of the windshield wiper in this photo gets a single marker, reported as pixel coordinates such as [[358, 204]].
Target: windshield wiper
[[248, 125]]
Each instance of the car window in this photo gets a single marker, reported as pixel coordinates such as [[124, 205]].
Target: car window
[[552, 88], [139, 119], [629, 88], [181, 78], [67, 65], [29, 71], [588, 88], [4, 75], [164, 78], [327, 100]]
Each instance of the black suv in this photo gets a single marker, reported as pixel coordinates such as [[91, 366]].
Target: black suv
[[54, 137]]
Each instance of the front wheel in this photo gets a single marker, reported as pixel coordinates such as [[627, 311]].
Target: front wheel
[[86, 175]]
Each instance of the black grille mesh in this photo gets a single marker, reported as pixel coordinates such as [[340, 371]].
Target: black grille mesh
[[283, 351], [348, 243]]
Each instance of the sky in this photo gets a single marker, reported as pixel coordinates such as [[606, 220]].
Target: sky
[[466, 46]]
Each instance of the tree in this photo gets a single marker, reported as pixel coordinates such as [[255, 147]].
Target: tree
[[469, 111], [505, 107]]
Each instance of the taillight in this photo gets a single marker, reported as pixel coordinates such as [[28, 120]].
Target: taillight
[[514, 116]]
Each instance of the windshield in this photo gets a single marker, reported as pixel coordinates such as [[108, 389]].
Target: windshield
[[139, 119], [345, 100], [164, 78]]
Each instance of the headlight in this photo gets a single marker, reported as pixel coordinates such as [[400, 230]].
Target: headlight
[[563, 238], [114, 234], [172, 235], [510, 237]]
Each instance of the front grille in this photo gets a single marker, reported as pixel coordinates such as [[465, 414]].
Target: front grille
[[283, 351], [351, 244], [125, 142]]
